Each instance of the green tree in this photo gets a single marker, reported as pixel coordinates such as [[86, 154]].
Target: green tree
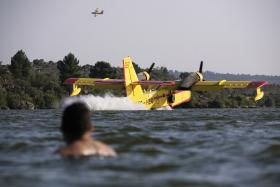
[[161, 73], [69, 67], [13, 100], [20, 67], [85, 70], [102, 69], [39, 80], [51, 101], [38, 98], [3, 101], [184, 75]]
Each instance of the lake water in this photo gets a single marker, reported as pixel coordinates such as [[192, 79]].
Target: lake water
[[190, 147]]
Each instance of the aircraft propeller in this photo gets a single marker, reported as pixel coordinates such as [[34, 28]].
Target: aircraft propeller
[[200, 67], [145, 75], [201, 70], [151, 68]]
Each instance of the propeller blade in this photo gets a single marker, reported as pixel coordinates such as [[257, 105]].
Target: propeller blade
[[200, 67], [151, 68]]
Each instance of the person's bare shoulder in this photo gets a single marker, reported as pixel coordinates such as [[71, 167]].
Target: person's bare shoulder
[[81, 148], [77, 149], [103, 149], [67, 151]]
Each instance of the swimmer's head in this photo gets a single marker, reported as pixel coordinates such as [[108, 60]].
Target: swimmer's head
[[75, 122]]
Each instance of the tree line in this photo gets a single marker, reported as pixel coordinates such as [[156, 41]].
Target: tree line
[[37, 84]]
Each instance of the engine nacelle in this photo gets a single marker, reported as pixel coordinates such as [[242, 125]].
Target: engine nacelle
[[143, 76], [190, 80]]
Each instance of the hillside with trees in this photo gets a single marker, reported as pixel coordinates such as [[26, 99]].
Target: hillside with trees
[[227, 76], [37, 84]]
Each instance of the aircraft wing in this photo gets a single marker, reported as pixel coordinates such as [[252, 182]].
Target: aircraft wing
[[98, 83], [223, 84], [155, 83], [114, 83]]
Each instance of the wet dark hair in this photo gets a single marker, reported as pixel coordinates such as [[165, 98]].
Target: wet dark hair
[[75, 122]]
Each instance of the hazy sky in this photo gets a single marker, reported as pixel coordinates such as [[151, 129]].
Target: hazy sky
[[235, 36]]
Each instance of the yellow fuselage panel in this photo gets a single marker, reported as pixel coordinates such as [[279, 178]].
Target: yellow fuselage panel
[[152, 99], [181, 97], [158, 99]]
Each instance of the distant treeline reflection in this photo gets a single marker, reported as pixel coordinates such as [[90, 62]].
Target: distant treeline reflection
[[37, 84]]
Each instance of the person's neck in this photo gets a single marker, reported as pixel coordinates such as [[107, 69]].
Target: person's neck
[[87, 136]]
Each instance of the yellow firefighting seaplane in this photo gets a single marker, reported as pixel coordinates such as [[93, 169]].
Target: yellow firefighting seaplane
[[159, 94]]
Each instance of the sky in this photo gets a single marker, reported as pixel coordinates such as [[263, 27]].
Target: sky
[[230, 36]]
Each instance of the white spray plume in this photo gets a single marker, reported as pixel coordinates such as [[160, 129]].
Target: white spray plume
[[165, 108], [107, 102]]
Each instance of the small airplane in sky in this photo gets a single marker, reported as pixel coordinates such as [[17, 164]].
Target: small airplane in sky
[[97, 12], [159, 94]]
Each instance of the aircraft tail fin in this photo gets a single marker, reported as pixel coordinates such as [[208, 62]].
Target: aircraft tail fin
[[133, 91]]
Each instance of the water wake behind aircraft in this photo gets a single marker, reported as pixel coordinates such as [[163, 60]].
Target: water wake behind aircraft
[[108, 102]]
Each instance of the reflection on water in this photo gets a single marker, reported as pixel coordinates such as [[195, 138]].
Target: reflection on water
[[195, 147]]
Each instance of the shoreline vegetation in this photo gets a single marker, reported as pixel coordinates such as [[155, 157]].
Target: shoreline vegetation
[[37, 84]]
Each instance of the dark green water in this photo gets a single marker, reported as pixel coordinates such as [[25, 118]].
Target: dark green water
[[202, 147]]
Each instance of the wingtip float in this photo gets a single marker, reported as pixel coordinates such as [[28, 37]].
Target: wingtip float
[[157, 94]]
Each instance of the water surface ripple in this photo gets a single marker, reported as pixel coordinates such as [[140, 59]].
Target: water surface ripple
[[194, 147]]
